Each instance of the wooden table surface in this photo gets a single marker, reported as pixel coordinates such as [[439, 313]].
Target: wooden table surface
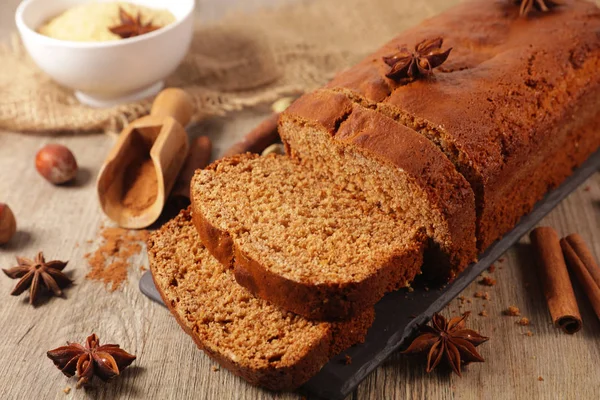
[[59, 221]]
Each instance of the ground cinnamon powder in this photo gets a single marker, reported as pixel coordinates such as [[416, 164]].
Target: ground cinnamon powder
[[140, 185], [111, 261]]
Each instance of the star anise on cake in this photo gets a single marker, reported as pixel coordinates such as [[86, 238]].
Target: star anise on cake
[[36, 273], [540, 5], [105, 362], [406, 65], [131, 26], [448, 340]]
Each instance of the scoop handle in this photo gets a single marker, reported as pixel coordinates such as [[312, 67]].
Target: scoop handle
[[175, 103]]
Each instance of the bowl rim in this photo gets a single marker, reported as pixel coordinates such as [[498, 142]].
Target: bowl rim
[[24, 29]]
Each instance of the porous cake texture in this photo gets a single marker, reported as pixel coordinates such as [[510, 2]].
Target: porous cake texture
[[392, 167], [299, 241], [254, 339]]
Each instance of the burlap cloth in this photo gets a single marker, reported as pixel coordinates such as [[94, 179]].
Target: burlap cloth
[[238, 62]]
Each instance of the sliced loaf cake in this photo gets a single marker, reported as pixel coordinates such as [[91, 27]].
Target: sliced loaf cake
[[515, 107], [301, 242], [252, 338]]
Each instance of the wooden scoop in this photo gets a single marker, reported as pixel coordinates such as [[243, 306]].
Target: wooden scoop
[[142, 167]]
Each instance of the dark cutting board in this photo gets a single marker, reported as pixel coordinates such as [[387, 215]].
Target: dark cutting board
[[399, 314]]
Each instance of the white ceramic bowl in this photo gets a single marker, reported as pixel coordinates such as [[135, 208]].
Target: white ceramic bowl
[[108, 73]]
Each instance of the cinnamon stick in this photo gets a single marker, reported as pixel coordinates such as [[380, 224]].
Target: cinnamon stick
[[581, 261], [258, 138], [198, 157], [555, 280]]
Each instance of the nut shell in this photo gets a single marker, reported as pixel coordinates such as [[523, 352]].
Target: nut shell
[[8, 224], [56, 164], [276, 148], [282, 104]]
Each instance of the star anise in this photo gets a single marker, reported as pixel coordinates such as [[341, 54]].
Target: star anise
[[449, 340], [37, 272], [106, 361], [540, 5], [407, 65], [131, 26]]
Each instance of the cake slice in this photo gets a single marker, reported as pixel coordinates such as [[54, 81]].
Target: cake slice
[[254, 339], [300, 242], [391, 166]]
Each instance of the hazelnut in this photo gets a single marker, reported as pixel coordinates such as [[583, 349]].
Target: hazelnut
[[8, 225], [56, 163]]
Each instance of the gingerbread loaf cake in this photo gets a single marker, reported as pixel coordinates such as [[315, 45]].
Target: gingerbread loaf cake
[[254, 339], [380, 173], [300, 242], [515, 107]]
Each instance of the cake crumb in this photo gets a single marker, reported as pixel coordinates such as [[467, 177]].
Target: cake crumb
[[586, 189], [215, 368], [492, 268], [347, 359], [487, 281], [512, 311], [524, 321], [67, 390], [110, 262], [501, 259], [540, 378], [528, 334], [483, 313], [482, 295]]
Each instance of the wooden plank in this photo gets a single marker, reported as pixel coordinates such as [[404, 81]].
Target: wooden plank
[[60, 220]]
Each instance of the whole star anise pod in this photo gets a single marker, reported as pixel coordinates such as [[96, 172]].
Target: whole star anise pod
[[407, 65], [449, 340], [131, 26], [540, 5], [104, 361], [37, 272]]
